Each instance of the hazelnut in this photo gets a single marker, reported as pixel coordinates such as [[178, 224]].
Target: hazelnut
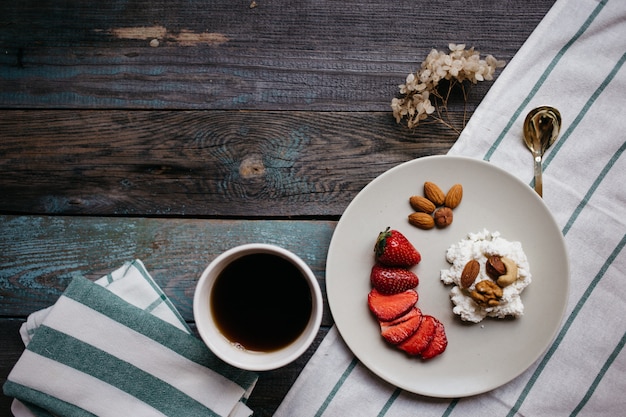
[[511, 273], [495, 267], [443, 217]]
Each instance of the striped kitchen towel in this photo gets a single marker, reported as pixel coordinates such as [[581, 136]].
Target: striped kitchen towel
[[119, 347], [574, 61]]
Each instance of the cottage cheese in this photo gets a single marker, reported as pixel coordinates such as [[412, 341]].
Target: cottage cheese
[[480, 246]]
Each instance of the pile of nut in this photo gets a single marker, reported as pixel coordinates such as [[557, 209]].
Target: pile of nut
[[435, 207], [486, 293]]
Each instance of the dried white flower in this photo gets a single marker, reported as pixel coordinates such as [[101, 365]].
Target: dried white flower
[[420, 96]]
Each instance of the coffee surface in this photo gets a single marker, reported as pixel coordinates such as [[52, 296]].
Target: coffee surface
[[261, 302]]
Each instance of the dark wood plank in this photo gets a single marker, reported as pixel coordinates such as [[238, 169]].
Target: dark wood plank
[[199, 163], [40, 254], [10, 350], [322, 55]]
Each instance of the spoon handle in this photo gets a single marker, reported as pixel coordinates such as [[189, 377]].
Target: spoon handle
[[538, 176]]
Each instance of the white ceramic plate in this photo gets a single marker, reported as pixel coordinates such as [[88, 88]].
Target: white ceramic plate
[[479, 357]]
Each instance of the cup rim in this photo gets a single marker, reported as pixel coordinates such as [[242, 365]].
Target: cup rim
[[220, 345]]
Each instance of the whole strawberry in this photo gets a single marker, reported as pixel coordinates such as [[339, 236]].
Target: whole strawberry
[[392, 279], [394, 249]]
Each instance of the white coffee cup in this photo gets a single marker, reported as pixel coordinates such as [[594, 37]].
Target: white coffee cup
[[211, 313]]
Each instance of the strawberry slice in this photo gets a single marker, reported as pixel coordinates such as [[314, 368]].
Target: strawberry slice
[[392, 280], [438, 344], [400, 329], [419, 341], [390, 307], [392, 248]]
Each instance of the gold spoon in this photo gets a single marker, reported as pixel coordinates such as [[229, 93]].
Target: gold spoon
[[541, 129]]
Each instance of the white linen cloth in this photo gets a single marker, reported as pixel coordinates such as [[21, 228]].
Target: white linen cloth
[[574, 61], [119, 347]]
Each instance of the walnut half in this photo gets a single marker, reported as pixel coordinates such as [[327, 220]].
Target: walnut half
[[486, 293]]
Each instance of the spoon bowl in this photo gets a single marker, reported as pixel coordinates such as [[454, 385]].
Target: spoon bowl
[[541, 128]]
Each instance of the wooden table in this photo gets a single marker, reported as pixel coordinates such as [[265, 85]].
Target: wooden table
[[170, 131]]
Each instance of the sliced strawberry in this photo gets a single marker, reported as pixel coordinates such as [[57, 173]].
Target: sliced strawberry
[[390, 307], [391, 279], [438, 344], [398, 330], [394, 249], [418, 341]]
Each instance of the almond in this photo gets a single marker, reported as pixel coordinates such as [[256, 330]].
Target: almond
[[422, 204], [434, 193], [454, 196], [469, 274], [422, 220]]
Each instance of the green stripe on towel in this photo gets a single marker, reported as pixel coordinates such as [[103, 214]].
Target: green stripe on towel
[[565, 328], [127, 271], [115, 372], [138, 265], [155, 303], [44, 400], [543, 77], [103, 301]]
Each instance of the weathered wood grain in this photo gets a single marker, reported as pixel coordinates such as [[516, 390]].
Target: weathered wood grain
[[40, 255], [199, 163], [305, 55]]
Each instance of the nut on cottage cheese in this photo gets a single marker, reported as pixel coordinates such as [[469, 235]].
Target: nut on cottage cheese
[[480, 246]]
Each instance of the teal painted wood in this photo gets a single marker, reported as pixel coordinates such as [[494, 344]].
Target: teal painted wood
[[39, 255]]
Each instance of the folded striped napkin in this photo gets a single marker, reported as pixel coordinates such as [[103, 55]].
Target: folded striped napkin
[[574, 61], [119, 347]]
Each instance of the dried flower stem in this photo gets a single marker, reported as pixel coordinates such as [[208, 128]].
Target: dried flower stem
[[441, 106], [461, 68]]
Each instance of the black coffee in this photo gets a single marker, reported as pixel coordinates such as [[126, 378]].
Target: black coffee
[[261, 301]]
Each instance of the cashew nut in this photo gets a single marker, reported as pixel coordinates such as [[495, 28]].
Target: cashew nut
[[511, 273]]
